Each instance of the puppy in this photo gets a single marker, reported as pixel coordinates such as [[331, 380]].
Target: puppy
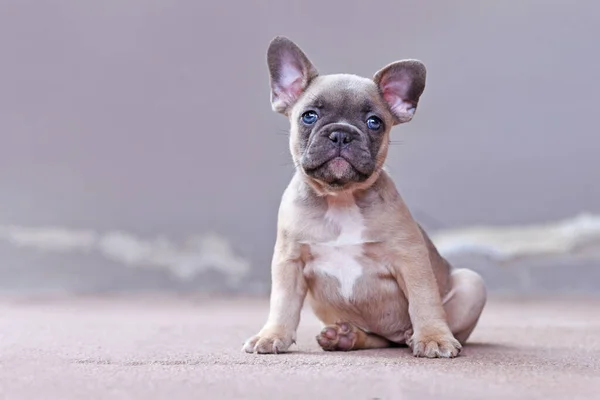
[[345, 238]]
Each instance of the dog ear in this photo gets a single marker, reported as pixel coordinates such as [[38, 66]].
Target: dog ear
[[290, 73], [401, 84]]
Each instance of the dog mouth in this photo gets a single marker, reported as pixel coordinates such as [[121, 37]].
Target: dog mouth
[[339, 167], [336, 171]]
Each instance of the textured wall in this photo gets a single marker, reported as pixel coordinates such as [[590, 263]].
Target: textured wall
[[139, 149]]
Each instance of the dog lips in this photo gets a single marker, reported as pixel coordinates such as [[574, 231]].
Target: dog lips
[[339, 167]]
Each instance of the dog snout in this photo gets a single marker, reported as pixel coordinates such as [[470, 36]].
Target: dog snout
[[340, 137]]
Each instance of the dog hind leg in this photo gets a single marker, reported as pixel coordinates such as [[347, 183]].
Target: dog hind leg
[[464, 302], [343, 336]]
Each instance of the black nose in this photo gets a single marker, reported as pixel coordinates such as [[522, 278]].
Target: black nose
[[340, 137]]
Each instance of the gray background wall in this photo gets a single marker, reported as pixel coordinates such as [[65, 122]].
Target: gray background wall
[[152, 118]]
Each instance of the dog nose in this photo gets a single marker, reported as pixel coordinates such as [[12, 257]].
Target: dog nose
[[340, 137]]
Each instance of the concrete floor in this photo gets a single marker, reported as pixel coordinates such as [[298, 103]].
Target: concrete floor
[[166, 348]]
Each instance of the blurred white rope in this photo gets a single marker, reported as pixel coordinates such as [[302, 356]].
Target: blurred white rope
[[579, 235]]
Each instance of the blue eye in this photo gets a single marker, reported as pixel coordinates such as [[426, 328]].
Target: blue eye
[[374, 123], [309, 117]]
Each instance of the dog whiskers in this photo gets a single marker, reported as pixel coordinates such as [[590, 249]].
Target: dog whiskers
[[395, 142]]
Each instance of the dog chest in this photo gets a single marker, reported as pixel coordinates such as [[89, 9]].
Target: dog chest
[[340, 264]]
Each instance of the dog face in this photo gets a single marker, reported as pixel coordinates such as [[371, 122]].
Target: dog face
[[340, 124]]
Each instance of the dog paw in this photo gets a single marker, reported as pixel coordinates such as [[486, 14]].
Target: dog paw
[[269, 341], [339, 337], [434, 345]]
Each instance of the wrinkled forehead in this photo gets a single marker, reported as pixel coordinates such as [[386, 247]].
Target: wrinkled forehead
[[350, 93]]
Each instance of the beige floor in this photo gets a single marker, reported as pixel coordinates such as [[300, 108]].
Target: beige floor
[[163, 348]]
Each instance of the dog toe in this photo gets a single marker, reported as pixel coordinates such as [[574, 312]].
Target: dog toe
[[338, 337]]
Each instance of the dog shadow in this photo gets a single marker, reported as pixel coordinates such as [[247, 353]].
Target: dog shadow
[[474, 349]]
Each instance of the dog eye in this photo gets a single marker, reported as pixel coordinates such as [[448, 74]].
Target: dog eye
[[374, 123], [309, 117]]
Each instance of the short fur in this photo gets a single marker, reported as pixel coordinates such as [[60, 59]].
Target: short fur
[[345, 238]]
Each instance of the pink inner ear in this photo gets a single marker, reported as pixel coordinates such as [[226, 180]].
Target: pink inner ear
[[290, 73], [290, 83], [393, 92], [392, 99]]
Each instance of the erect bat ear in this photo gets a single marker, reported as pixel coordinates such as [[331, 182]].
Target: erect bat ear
[[401, 83], [290, 73]]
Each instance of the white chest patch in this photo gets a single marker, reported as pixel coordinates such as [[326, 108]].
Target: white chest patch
[[338, 257]]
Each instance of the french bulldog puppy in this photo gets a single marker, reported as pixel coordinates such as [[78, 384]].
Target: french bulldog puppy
[[345, 238]]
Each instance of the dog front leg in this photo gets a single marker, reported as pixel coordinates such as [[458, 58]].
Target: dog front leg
[[431, 334], [288, 291]]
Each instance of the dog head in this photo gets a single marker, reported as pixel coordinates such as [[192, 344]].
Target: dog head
[[340, 124]]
